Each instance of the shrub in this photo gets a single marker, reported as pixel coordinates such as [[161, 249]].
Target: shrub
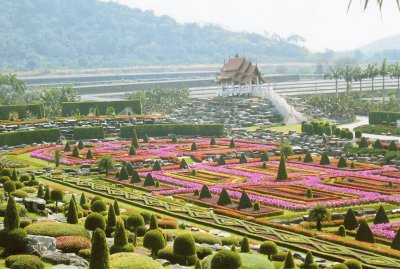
[[377, 144], [85, 253], [392, 146], [309, 262], [309, 193], [194, 147], [154, 241], [25, 178], [57, 196], [72, 244], [244, 245], [19, 185], [24, 262], [98, 206], [75, 152], [244, 201], [123, 174], [280, 257], [89, 154], [364, 233], [206, 238], [243, 158], [198, 265], [56, 229], [224, 198], [213, 142], [282, 171], [168, 224], [11, 215], [396, 241], [308, 158], [184, 245], [111, 220], [221, 160], [132, 151], [95, 198], [25, 222], [134, 221], [342, 162], [4, 179], [268, 248], [21, 210], [203, 252], [350, 222], [9, 186], [228, 241], [149, 181], [226, 259], [289, 262], [339, 266], [116, 208], [363, 143], [141, 231], [325, 159], [352, 264], [264, 157], [232, 144], [16, 241], [94, 221], [132, 260], [256, 206], [183, 164], [30, 190], [167, 253], [99, 258], [135, 177], [341, 231], [205, 192], [381, 216], [358, 134], [121, 240], [72, 215], [67, 147], [29, 137]]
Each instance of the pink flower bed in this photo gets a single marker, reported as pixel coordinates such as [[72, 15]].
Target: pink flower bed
[[386, 230]]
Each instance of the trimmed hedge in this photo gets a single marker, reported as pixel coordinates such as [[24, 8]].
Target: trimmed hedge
[[73, 244], [24, 261], [377, 117], [36, 110], [132, 260], [178, 129], [89, 133], [56, 229], [68, 109], [167, 253], [29, 137], [207, 238]]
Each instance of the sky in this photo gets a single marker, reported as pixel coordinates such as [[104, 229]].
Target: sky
[[325, 24]]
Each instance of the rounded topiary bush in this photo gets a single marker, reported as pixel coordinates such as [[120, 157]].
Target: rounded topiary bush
[[146, 216], [99, 206], [206, 238], [229, 241], [141, 230], [19, 194], [94, 221], [56, 229], [268, 248], [184, 245], [154, 241], [203, 252], [132, 260], [353, 264], [94, 199], [226, 259], [24, 262], [339, 266], [133, 221], [85, 253], [15, 242], [167, 253], [72, 244]]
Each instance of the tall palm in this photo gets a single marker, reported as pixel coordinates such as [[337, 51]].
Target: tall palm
[[384, 71], [395, 73], [378, 2], [348, 77], [336, 73], [319, 214], [359, 75], [372, 72]]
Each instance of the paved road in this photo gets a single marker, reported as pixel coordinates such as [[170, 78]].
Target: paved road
[[363, 120]]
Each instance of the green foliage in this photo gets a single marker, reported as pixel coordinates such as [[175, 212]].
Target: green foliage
[[213, 142], [15, 241], [167, 253], [339, 266], [177, 129], [243, 159], [56, 229], [232, 144], [377, 117], [9, 186], [393, 146], [40, 192], [134, 221], [106, 163], [135, 177], [309, 193], [111, 218], [29, 137], [256, 206], [184, 245], [156, 166], [342, 163], [25, 178], [381, 216], [268, 248], [198, 265], [244, 245], [244, 201], [282, 172], [325, 159], [352, 165], [205, 192], [36, 110], [364, 233], [154, 241], [289, 262], [89, 154], [377, 144], [72, 244], [72, 216], [80, 144], [221, 160], [132, 150], [226, 259], [132, 260], [358, 134], [11, 215], [224, 198], [19, 194], [350, 222], [353, 264], [24, 262], [98, 206], [75, 152], [153, 222], [194, 172], [396, 241], [101, 107], [210, 239], [116, 208], [341, 231], [363, 143], [183, 164], [120, 239], [308, 158], [149, 181], [47, 194], [135, 141], [94, 221], [123, 174], [194, 147], [264, 157], [319, 214], [309, 262], [99, 258], [67, 147]]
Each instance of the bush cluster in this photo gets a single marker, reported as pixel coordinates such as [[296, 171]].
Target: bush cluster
[[72, 244]]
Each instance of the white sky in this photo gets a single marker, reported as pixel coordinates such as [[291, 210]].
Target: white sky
[[323, 23]]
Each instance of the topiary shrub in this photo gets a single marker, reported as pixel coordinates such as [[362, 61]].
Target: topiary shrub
[[358, 134], [224, 198], [134, 221], [206, 238], [25, 178], [226, 259], [84, 253], [232, 144], [194, 147], [203, 252], [167, 253], [154, 241], [353, 264], [149, 181], [132, 260], [309, 193], [221, 160], [309, 262], [396, 241], [120, 239], [75, 152], [24, 262], [377, 144], [9, 186], [123, 174], [364, 233], [244, 245], [135, 177], [168, 224], [289, 262], [98, 206], [363, 143], [256, 206], [229, 241], [308, 158], [15, 241], [381, 216], [268, 248], [94, 221], [72, 215], [99, 258], [141, 231], [184, 245], [339, 266], [244, 201], [282, 171], [242, 158], [264, 157], [341, 231], [11, 215], [89, 154], [393, 146], [325, 159], [342, 163], [350, 222], [111, 220], [72, 244], [205, 192], [157, 166], [56, 229]]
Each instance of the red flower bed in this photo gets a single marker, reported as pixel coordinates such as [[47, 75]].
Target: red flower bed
[[72, 244]]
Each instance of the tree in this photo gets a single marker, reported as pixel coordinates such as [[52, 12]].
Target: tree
[[40, 192], [377, 144], [80, 144], [194, 147], [359, 75], [244, 201], [47, 194], [353, 264], [14, 176], [268, 248], [156, 166], [149, 181], [309, 262], [116, 208], [174, 139], [185, 246], [154, 240], [198, 265], [381, 216], [75, 152], [319, 214], [341, 231], [336, 73], [309, 193], [67, 147], [232, 144], [348, 77], [392, 146], [264, 157], [213, 142], [224, 198], [99, 258], [121, 243], [282, 172], [111, 220], [9, 186], [11, 215], [363, 143], [244, 245], [371, 72], [132, 151], [243, 159], [364, 233], [384, 71], [325, 159], [395, 73], [83, 199], [95, 221], [396, 241], [226, 259], [135, 142], [57, 196], [289, 262], [205, 192], [342, 163], [72, 215], [308, 158], [57, 158], [145, 138], [89, 154], [123, 174], [221, 160], [183, 164], [350, 221], [135, 177], [106, 163]]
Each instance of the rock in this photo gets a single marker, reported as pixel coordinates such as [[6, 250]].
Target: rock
[[215, 232], [63, 266], [163, 262], [41, 243], [64, 258], [177, 266]]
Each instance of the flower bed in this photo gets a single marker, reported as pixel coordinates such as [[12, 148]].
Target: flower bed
[[386, 230]]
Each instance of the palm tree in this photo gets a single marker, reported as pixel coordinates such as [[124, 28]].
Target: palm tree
[[395, 73], [336, 73], [319, 214], [379, 2], [384, 71], [106, 163], [371, 72], [359, 75], [348, 77]]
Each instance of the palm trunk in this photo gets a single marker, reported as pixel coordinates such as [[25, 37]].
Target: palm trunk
[[360, 88], [337, 92], [373, 95], [383, 90]]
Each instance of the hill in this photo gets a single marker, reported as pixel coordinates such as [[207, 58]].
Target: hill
[[45, 34], [388, 47]]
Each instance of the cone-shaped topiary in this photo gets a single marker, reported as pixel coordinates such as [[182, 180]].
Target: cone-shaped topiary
[[132, 151], [47, 194], [358, 134], [352, 165], [264, 165], [232, 144], [11, 215], [174, 139], [224, 198], [99, 258], [282, 172], [243, 159], [381, 216], [325, 159], [350, 222], [392, 146], [123, 174], [341, 231], [244, 245], [83, 199], [154, 241], [89, 154], [196, 192], [149, 181], [289, 262], [213, 142], [309, 193], [75, 152], [14, 176], [80, 144], [198, 265], [72, 215], [364, 233], [67, 147], [308, 158], [121, 243], [129, 169], [245, 201], [309, 262], [111, 220], [183, 164], [156, 166], [396, 241], [194, 147], [268, 248], [221, 160], [377, 144], [264, 157], [40, 192], [194, 172], [390, 184], [116, 208], [153, 222], [135, 142], [342, 163], [135, 177], [363, 143], [205, 192], [145, 138], [226, 259]]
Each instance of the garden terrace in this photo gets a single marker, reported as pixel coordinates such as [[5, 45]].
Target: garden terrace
[[206, 177], [333, 164], [395, 174], [364, 184]]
